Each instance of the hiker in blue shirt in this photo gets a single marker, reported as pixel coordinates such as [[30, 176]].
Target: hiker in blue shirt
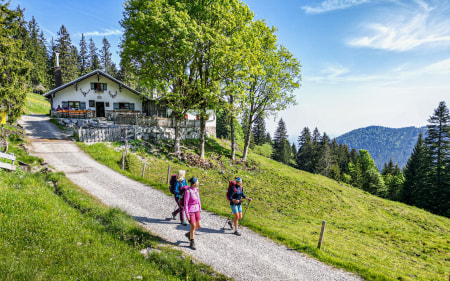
[[179, 184], [237, 193]]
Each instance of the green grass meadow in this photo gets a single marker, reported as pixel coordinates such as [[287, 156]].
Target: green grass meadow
[[59, 232], [375, 238], [36, 104]]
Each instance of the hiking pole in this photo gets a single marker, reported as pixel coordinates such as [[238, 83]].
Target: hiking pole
[[245, 211], [228, 219]]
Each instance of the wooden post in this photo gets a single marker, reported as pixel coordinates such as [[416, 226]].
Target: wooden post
[[143, 170], [324, 223], [168, 175], [124, 154]]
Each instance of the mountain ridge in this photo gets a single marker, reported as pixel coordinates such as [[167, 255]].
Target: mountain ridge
[[384, 143]]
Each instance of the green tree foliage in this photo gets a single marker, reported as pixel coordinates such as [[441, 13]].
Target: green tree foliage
[[36, 53], [94, 61], [417, 187], [270, 81], [223, 128], [83, 57], [393, 178], [370, 179], [68, 56], [305, 154], [259, 130], [281, 148], [182, 49], [14, 67], [107, 65]]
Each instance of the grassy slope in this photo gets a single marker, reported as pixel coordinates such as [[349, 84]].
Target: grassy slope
[[376, 238], [62, 233], [36, 104]]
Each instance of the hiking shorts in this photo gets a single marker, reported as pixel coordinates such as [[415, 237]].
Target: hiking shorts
[[236, 208], [194, 217]]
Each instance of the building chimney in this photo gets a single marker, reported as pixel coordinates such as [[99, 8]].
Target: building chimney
[[58, 77]]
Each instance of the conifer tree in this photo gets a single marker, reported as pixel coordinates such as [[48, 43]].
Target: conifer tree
[[438, 142], [51, 62], [269, 139], [324, 160], [418, 173], [13, 65], [281, 146], [259, 130], [305, 154], [106, 62], [67, 56], [94, 62], [84, 56], [36, 53], [393, 179]]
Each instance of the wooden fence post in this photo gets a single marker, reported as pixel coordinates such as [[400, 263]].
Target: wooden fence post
[[143, 169], [168, 175], [324, 223], [124, 154]]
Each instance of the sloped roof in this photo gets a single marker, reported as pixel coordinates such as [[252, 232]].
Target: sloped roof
[[95, 72]]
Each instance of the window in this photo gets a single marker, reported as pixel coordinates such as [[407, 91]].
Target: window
[[98, 87], [91, 103], [107, 104], [123, 106], [74, 105]]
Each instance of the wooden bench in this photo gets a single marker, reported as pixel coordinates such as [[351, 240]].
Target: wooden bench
[[7, 166]]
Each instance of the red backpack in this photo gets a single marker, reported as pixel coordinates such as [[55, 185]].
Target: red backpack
[[231, 188]]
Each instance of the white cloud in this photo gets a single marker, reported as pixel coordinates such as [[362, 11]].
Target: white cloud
[[407, 29], [106, 32], [331, 5], [338, 74]]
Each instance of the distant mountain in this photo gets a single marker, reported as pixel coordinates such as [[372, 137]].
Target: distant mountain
[[384, 143]]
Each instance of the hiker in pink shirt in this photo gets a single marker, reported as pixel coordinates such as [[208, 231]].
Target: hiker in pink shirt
[[193, 208]]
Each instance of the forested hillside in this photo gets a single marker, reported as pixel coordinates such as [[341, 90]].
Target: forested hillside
[[384, 143]]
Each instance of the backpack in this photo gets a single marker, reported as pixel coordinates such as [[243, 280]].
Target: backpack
[[231, 185], [173, 180]]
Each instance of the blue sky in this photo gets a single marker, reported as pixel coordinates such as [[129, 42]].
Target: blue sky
[[364, 62]]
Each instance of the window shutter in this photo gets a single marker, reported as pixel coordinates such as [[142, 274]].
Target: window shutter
[[83, 105], [92, 86], [104, 87], [132, 106], [116, 106]]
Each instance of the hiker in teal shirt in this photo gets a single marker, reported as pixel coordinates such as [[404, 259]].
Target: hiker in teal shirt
[[237, 193]]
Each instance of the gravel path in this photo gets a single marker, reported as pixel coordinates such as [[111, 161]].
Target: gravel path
[[248, 257]]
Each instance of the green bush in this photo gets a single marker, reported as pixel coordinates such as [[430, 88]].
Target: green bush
[[263, 150]]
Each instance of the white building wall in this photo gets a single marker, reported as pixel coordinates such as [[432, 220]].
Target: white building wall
[[112, 95]]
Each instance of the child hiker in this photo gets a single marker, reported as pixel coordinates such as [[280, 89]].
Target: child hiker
[[179, 184], [193, 208], [237, 193]]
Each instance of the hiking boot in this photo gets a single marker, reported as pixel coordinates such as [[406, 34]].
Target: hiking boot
[[193, 245], [188, 235], [230, 224], [174, 216], [237, 233]]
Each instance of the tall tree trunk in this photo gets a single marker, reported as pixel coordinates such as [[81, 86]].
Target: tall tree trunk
[[232, 136], [247, 137], [176, 144], [202, 133]]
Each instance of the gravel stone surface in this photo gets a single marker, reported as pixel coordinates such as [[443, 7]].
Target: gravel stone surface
[[248, 257]]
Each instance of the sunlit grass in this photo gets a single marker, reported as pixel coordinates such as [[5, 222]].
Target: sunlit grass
[[376, 238], [50, 229], [36, 104]]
